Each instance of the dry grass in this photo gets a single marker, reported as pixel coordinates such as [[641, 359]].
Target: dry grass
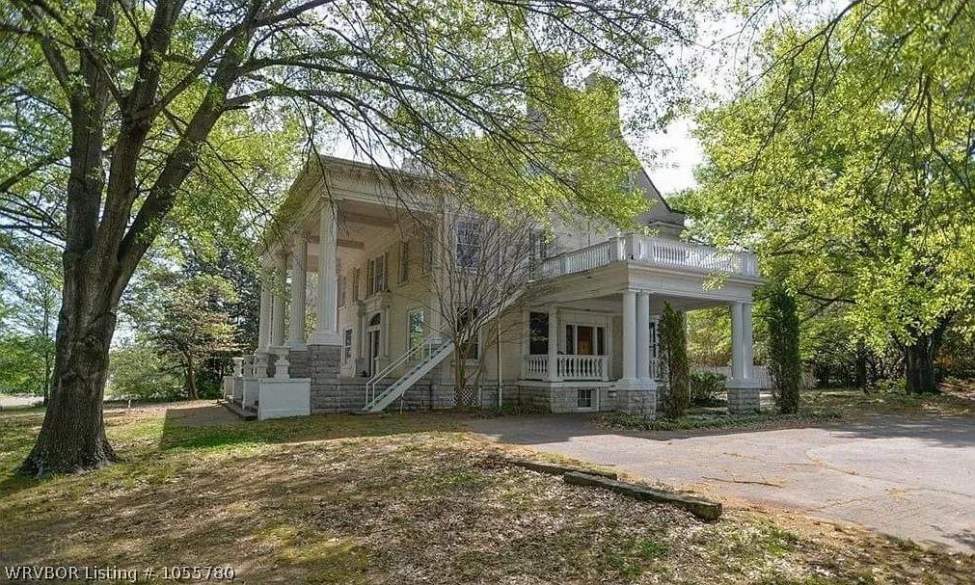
[[397, 499]]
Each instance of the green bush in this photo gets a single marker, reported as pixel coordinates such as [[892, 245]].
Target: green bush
[[785, 366], [673, 343], [705, 387]]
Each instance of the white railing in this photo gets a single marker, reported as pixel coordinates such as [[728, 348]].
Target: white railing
[[582, 367], [418, 354], [653, 252], [536, 367], [568, 367]]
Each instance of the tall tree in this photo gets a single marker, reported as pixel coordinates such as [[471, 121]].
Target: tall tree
[[848, 166], [131, 93]]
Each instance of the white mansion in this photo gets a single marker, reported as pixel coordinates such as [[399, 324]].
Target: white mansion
[[584, 339]]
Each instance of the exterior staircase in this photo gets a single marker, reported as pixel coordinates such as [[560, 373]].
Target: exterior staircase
[[420, 360]]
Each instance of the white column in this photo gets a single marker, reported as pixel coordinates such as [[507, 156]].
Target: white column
[[299, 275], [278, 303], [643, 336], [264, 329], [327, 328], [737, 342], [553, 343], [629, 336]]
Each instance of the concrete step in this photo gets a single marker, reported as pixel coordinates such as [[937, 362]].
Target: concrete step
[[244, 413]]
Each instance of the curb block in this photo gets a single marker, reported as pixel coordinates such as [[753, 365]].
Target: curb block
[[555, 469], [703, 509]]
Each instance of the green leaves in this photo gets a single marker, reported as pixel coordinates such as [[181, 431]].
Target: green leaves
[[848, 167]]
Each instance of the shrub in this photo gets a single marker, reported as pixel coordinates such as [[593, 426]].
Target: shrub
[[673, 342], [785, 366], [705, 387]]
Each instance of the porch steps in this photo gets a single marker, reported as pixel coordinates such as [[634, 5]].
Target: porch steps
[[243, 413]]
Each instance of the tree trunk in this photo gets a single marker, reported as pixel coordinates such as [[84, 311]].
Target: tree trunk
[[72, 437], [919, 366]]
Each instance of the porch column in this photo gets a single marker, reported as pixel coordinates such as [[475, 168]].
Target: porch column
[[629, 336], [743, 391], [278, 303], [327, 328], [264, 328], [299, 274], [553, 344], [643, 336]]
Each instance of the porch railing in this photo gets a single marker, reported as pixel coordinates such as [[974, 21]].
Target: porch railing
[[567, 367], [652, 251]]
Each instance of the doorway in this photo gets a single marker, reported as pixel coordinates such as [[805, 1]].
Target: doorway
[[374, 343]]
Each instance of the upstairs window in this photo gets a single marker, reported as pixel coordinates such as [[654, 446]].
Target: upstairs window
[[468, 238], [341, 291], [376, 274]]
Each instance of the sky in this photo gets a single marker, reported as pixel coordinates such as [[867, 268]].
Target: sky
[[678, 153]]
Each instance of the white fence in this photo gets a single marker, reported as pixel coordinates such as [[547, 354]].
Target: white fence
[[760, 373]]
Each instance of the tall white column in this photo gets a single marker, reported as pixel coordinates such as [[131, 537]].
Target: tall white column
[[629, 336], [327, 327], [299, 274], [264, 328], [643, 336], [553, 343], [278, 304], [737, 341]]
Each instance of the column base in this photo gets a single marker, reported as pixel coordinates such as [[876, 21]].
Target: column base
[[637, 396], [744, 397]]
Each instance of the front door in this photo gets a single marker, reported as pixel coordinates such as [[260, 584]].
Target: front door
[[373, 351]]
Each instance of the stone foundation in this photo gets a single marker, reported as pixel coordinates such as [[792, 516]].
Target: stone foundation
[[636, 400], [743, 400]]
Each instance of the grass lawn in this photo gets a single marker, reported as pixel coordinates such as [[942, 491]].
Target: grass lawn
[[396, 499]]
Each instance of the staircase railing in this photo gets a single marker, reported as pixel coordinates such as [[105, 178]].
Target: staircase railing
[[418, 353]]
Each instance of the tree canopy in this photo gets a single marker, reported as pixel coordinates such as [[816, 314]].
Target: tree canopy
[[848, 166]]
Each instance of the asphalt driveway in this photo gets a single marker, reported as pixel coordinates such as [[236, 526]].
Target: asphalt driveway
[[911, 477]]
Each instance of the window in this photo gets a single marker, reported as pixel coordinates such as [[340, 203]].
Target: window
[[379, 275], [404, 261], [585, 340], [414, 328], [355, 284], [468, 239], [538, 333], [465, 324], [346, 346], [376, 275], [584, 398], [341, 291], [538, 250]]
